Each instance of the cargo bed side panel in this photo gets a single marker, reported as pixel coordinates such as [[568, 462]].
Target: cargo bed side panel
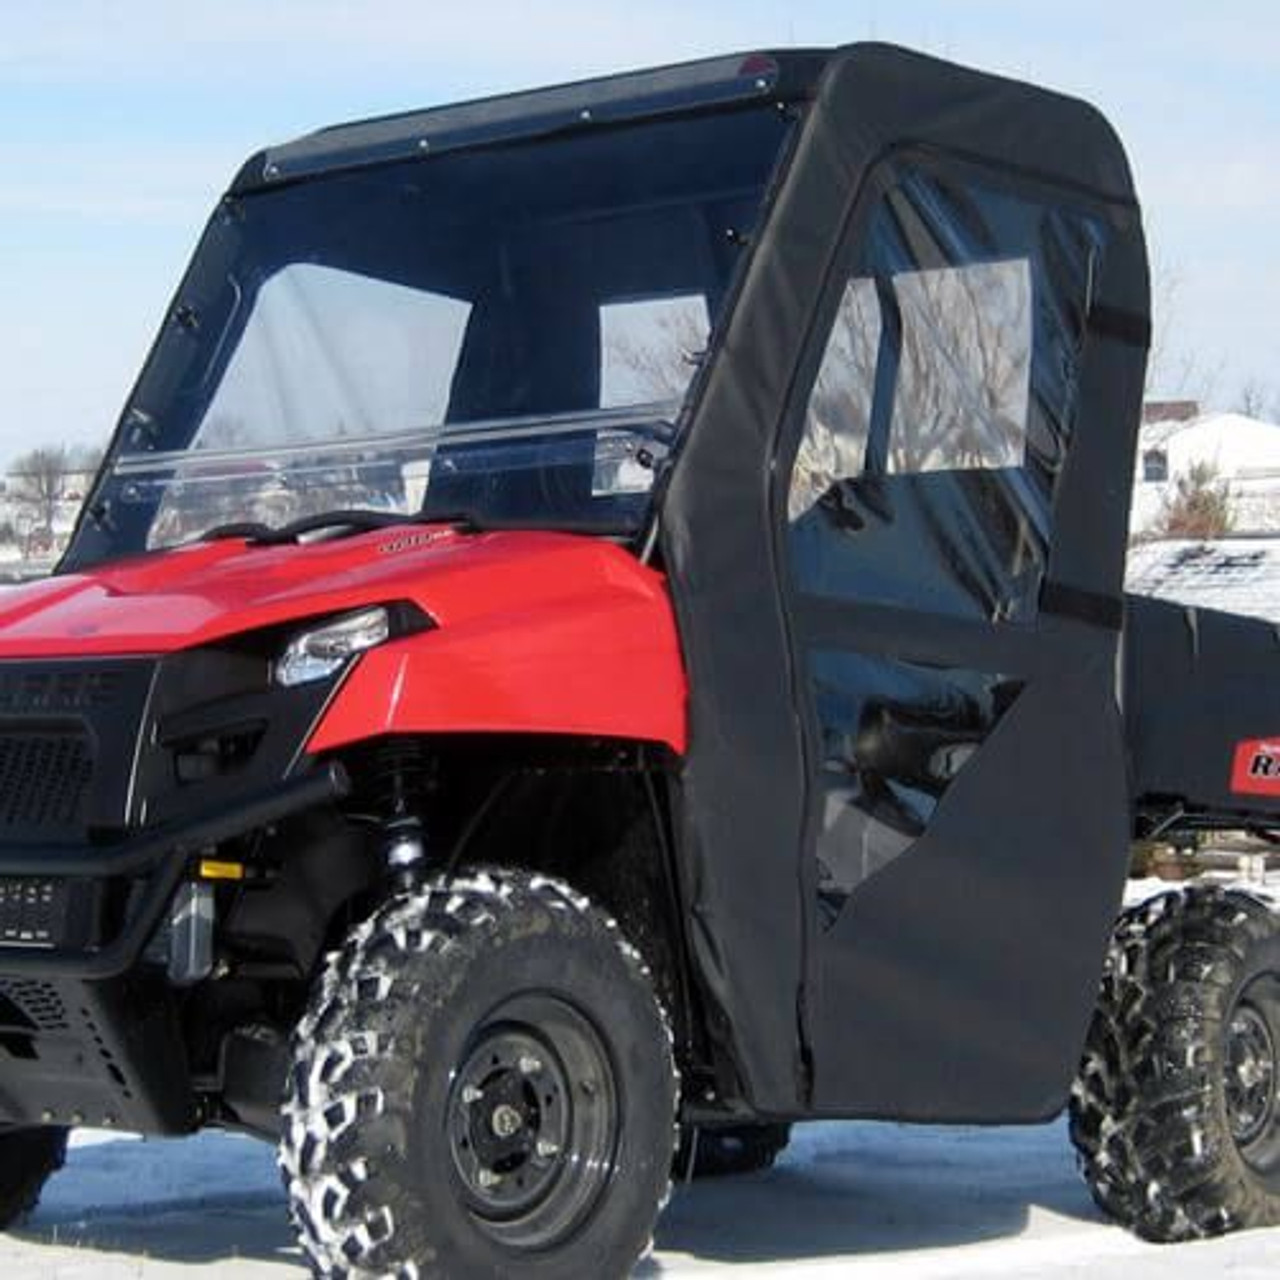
[[1202, 709]]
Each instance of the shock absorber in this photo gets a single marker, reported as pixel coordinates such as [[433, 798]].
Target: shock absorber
[[405, 780]]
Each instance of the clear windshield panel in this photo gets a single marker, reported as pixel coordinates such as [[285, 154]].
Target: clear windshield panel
[[507, 333], [579, 471], [327, 354]]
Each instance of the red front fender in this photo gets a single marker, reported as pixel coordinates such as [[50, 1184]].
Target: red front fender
[[598, 656]]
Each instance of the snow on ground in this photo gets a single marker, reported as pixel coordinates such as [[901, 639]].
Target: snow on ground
[[860, 1200], [868, 1201]]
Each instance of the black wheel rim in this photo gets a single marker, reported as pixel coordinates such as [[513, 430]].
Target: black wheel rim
[[532, 1119], [1252, 1074]]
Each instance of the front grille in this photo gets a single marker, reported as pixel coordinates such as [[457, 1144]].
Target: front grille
[[44, 778], [68, 730]]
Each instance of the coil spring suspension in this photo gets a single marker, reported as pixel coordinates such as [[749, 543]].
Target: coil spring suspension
[[404, 779]]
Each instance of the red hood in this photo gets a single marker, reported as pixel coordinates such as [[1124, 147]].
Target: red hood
[[194, 595]]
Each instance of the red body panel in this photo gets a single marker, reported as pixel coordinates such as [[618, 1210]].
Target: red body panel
[[537, 632], [1255, 771]]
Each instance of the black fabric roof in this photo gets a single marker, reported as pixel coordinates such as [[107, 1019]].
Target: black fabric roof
[[721, 81]]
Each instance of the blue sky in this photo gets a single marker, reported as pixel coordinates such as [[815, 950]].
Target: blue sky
[[121, 122]]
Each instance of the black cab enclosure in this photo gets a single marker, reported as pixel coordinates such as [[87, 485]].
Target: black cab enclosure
[[896, 538]]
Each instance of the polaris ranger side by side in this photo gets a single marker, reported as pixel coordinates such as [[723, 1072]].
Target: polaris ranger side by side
[[600, 634]]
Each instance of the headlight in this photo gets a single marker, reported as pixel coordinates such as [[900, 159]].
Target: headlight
[[323, 651]]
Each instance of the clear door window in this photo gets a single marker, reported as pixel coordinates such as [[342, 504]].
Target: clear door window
[[964, 381], [941, 410], [838, 419]]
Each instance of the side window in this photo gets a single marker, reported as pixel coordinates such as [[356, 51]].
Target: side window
[[940, 413], [964, 383], [649, 348], [838, 419]]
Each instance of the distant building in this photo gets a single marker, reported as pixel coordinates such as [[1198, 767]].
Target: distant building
[[1242, 451], [1170, 411], [1241, 573]]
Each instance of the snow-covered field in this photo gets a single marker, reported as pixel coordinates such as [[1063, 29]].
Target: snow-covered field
[[856, 1200]]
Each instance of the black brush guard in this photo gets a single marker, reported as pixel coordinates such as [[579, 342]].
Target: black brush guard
[[88, 1034]]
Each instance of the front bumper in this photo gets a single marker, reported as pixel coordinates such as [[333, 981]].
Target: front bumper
[[156, 860], [88, 1034]]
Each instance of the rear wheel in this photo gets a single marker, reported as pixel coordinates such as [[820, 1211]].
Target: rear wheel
[[1176, 1111], [484, 1086], [727, 1152], [28, 1158]]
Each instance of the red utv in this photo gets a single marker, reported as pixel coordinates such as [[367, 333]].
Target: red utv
[[600, 630]]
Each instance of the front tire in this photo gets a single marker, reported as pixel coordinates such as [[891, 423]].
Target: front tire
[[28, 1159], [483, 1086], [1175, 1113]]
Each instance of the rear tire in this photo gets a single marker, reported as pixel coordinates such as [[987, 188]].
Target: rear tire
[[1175, 1113], [731, 1151], [28, 1159], [483, 1086]]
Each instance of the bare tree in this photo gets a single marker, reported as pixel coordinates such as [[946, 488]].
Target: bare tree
[[40, 481], [1257, 400], [655, 362], [84, 462], [1166, 286], [87, 458], [1173, 370]]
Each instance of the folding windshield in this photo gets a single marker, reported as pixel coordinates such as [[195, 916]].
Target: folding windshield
[[505, 333]]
